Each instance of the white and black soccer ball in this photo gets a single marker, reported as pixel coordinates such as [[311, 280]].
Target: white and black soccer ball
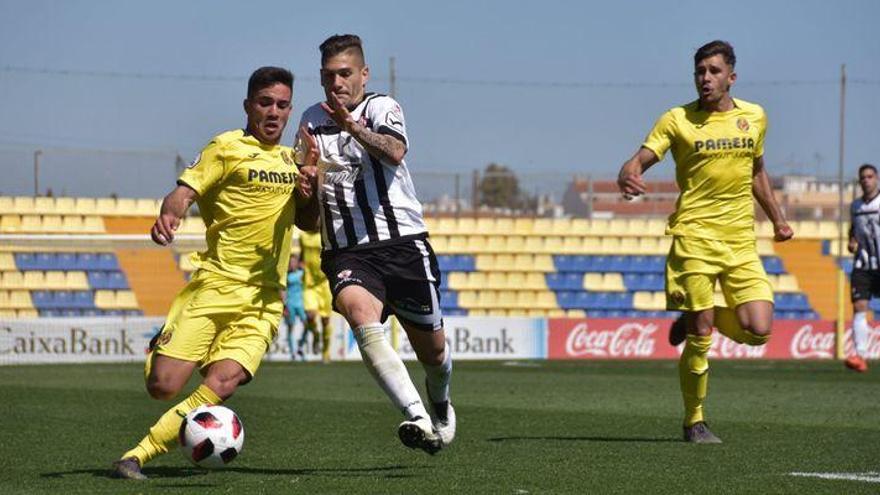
[[211, 436]]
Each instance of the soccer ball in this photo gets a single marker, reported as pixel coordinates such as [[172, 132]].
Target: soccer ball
[[211, 436]]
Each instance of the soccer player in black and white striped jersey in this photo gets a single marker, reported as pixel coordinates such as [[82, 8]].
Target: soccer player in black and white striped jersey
[[376, 253], [864, 243]]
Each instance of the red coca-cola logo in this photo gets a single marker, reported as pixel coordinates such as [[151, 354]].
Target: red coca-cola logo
[[808, 343], [631, 339], [722, 347]]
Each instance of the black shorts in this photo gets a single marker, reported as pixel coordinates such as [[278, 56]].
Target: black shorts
[[865, 284], [405, 276]]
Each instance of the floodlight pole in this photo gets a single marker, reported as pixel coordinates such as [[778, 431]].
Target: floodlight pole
[[841, 279], [392, 79], [37, 154]]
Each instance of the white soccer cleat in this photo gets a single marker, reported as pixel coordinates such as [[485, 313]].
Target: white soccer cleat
[[418, 433], [445, 428]]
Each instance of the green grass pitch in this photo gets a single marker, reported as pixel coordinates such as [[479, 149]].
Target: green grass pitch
[[524, 427]]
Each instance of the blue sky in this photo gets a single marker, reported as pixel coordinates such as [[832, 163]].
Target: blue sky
[[548, 88]]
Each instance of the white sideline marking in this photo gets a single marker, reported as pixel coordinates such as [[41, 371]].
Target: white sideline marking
[[867, 477]]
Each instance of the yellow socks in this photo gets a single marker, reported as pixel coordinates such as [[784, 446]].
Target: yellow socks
[[727, 323], [163, 434], [326, 334], [693, 372]]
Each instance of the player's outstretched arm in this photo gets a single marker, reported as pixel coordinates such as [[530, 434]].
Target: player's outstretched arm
[[173, 209], [629, 180], [763, 192], [388, 148], [305, 194]]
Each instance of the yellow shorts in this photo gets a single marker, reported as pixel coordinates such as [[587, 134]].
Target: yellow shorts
[[318, 298], [215, 318], [694, 264]]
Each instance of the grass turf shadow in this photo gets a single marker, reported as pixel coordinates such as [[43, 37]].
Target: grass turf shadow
[[171, 472], [586, 439]]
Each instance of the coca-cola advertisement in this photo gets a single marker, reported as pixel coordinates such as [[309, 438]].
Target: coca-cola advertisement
[[582, 338]]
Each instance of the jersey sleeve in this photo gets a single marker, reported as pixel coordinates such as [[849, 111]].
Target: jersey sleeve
[[659, 139], [206, 169], [759, 144], [386, 117]]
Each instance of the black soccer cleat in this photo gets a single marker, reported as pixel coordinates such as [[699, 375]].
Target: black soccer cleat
[[677, 332], [699, 432], [127, 469]]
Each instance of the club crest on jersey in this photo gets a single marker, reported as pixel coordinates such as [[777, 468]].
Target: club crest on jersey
[[676, 298], [344, 274], [195, 161], [164, 338], [742, 124], [287, 158]]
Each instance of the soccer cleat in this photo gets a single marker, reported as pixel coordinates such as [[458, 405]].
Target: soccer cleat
[[418, 433], [443, 419], [699, 432], [677, 332], [128, 469], [856, 363]]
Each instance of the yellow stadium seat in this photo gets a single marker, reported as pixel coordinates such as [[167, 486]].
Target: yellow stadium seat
[[613, 282], [542, 227], [618, 226], [106, 207], [10, 224], [55, 280], [51, 223], [146, 208], [477, 312], [543, 263], [72, 224], [31, 223], [467, 299], [644, 301], [457, 244], [4, 298], [126, 207], [545, 299], [516, 244], [6, 205], [191, 225], [573, 313], [186, 263], [562, 227], [125, 299], [76, 281], [443, 225], [12, 280], [656, 227], [477, 280], [8, 313], [535, 281], [765, 247], [86, 206], [35, 280], [828, 230], [592, 281], [504, 226], [44, 206], [105, 299], [27, 313], [637, 227], [524, 226], [580, 226], [787, 283], [600, 227], [515, 263], [7, 262], [20, 299], [572, 244], [65, 206], [536, 313], [485, 244], [610, 245], [439, 243], [535, 245], [496, 281], [630, 245], [518, 313], [23, 205], [485, 262], [485, 225], [487, 299], [465, 226], [458, 280], [516, 280], [590, 245], [553, 245], [660, 300], [507, 299], [93, 224]]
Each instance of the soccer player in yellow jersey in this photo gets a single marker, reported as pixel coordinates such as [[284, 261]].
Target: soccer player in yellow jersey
[[317, 298], [222, 322], [717, 143]]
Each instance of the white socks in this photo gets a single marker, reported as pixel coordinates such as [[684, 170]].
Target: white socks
[[860, 333], [437, 378], [388, 370]]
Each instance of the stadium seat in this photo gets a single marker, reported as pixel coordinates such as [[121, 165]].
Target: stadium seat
[[457, 280], [73, 224], [448, 300], [126, 207], [495, 281], [7, 262], [467, 299], [457, 244], [506, 299], [31, 224], [466, 226], [26, 313], [106, 206], [455, 312], [44, 206], [10, 224], [146, 208], [6, 205], [524, 226], [600, 227], [772, 264], [592, 281], [439, 243], [86, 206], [93, 224], [562, 227], [65, 206], [503, 226], [51, 224], [23, 205], [107, 261], [12, 280], [53, 280], [610, 246], [75, 281], [555, 281], [105, 299], [573, 244], [553, 244]]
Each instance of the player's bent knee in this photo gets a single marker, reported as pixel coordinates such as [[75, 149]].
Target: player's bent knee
[[163, 389]]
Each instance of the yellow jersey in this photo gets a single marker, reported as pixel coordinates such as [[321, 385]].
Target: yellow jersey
[[245, 199], [310, 254], [714, 154]]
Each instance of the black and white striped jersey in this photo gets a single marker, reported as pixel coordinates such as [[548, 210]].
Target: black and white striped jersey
[[866, 229], [364, 201]]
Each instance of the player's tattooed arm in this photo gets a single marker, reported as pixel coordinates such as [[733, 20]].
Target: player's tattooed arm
[[173, 209], [387, 148], [763, 192]]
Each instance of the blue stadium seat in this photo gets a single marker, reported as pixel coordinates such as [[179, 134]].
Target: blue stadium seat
[[92, 312], [448, 299], [71, 313], [97, 280], [83, 299], [42, 299], [86, 262], [555, 281], [134, 312], [114, 312], [25, 261], [455, 312], [563, 263], [653, 282], [621, 264], [456, 263], [566, 299], [846, 264], [46, 261], [773, 265], [67, 261], [117, 281], [107, 261], [444, 280], [632, 281], [599, 264], [792, 302], [574, 281], [49, 313]]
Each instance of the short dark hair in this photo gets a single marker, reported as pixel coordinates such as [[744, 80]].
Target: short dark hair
[[268, 76], [339, 43], [713, 48], [867, 166]]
